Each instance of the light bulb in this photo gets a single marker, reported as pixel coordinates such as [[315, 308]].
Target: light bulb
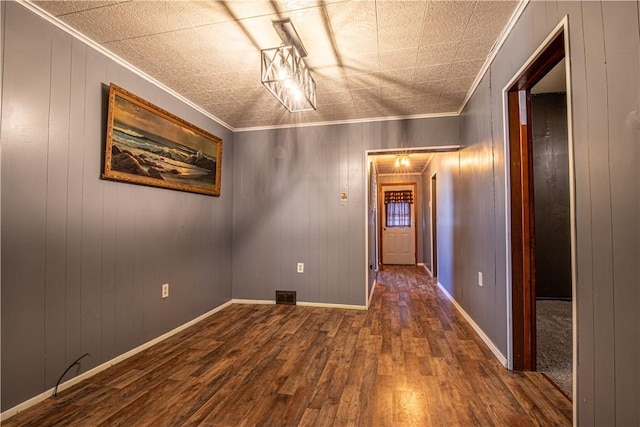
[[296, 92], [283, 74]]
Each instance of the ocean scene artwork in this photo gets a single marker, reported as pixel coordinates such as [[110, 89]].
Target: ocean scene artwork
[[147, 145]]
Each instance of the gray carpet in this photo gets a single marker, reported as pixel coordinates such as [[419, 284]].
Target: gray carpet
[[555, 342]]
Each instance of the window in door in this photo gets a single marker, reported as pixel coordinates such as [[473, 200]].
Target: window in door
[[398, 208], [398, 215]]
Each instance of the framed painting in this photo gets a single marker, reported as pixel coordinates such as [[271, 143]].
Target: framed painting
[[150, 146]]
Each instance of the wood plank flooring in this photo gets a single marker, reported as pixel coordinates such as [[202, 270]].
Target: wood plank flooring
[[410, 360]]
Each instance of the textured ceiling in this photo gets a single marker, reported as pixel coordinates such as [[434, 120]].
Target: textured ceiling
[[370, 59]]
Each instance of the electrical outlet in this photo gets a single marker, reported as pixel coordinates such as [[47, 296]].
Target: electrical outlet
[[300, 267], [165, 290], [479, 278]]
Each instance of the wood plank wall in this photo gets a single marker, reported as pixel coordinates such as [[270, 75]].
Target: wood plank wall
[[605, 56], [287, 206], [83, 260]]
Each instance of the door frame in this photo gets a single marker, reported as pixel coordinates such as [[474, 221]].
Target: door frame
[[365, 208], [520, 247], [414, 219], [433, 212]]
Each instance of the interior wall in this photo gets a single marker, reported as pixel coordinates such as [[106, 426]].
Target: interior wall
[[83, 259], [372, 228], [551, 194], [426, 219], [604, 60], [447, 167], [287, 206], [470, 221]]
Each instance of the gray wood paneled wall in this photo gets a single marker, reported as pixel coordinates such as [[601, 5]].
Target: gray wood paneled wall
[[605, 62], [83, 259], [287, 205], [372, 228], [451, 244]]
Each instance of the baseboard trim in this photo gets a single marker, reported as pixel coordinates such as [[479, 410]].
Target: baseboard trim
[[496, 352], [326, 305], [73, 381], [425, 269], [373, 289], [253, 301], [301, 303]]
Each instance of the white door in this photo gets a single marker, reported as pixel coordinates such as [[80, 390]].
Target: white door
[[399, 234]]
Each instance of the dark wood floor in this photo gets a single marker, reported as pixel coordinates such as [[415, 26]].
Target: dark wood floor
[[411, 360]]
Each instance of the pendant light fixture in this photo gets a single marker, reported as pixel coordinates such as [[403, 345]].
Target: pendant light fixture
[[284, 72]]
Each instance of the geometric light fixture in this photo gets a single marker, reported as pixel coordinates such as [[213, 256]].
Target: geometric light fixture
[[284, 72]]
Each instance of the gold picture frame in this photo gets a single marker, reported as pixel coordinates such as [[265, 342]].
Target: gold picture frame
[[150, 146]]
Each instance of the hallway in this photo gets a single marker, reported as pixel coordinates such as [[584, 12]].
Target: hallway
[[411, 360]]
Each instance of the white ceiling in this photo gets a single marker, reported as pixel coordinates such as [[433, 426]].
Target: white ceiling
[[370, 59]]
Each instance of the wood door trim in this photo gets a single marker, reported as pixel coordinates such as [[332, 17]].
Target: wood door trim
[[381, 205], [523, 308], [433, 213]]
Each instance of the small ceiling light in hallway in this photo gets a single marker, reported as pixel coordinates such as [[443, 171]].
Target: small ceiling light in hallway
[[402, 161]]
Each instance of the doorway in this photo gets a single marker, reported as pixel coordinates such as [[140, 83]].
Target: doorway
[[540, 175], [433, 205], [385, 167], [398, 223]]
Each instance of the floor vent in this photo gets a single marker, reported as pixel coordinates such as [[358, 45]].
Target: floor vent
[[286, 297]]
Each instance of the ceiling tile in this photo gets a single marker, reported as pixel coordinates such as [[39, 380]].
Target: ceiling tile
[[363, 81], [489, 18], [474, 49], [452, 98], [432, 87], [251, 8], [310, 24], [431, 73], [394, 59], [397, 91], [357, 63], [235, 78], [106, 24], [459, 84], [418, 102], [151, 48], [58, 8], [404, 76], [160, 16], [446, 21], [199, 13], [441, 53], [337, 109], [466, 68], [332, 85], [354, 27], [399, 24], [328, 98], [366, 94]]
